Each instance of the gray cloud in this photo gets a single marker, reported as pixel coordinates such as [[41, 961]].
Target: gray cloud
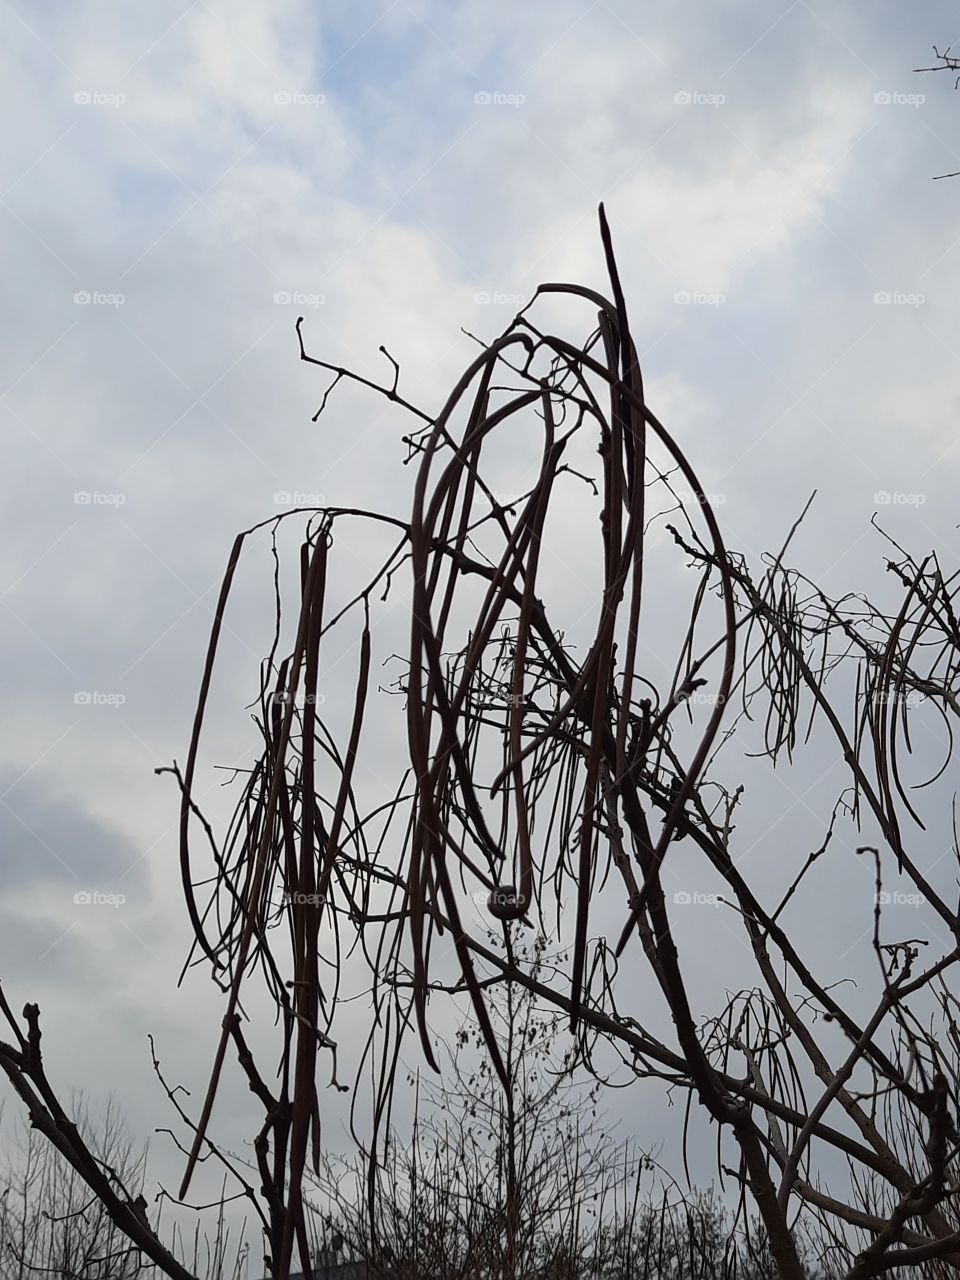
[[49, 836]]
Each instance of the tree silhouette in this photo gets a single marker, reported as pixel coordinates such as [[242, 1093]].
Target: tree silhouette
[[548, 790]]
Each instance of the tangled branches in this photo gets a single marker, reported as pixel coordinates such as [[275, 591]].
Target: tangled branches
[[532, 775], [534, 783]]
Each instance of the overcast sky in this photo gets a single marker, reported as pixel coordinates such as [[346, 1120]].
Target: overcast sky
[[181, 181]]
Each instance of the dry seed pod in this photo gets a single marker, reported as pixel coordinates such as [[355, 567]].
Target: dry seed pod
[[505, 903]]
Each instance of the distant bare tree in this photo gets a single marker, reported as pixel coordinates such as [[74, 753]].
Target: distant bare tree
[[526, 1182], [50, 1222], [493, 1178]]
